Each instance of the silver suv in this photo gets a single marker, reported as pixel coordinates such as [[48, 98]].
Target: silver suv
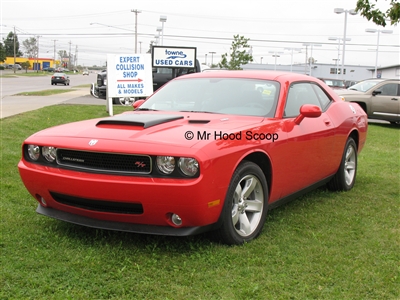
[[380, 98]]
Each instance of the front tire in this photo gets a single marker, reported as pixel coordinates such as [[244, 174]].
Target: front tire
[[345, 177], [245, 207]]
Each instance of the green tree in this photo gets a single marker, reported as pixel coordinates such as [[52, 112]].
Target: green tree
[[9, 45], [2, 52], [31, 47], [368, 10], [25, 65], [62, 55], [239, 54]]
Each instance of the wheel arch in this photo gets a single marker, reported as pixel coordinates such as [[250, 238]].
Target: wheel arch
[[264, 162], [356, 137]]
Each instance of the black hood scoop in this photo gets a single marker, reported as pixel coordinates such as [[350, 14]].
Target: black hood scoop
[[144, 120]]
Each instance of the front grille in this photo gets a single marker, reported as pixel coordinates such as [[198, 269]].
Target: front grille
[[98, 205], [104, 162]]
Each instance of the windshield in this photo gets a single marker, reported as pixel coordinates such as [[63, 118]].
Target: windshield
[[364, 86], [236, 96]]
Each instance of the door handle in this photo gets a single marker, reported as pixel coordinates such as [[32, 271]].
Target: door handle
[[327, 122], [394, 99]]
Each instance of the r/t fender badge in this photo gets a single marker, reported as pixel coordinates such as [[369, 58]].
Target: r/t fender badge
[[93, 142]]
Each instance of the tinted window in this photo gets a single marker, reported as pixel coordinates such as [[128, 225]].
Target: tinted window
[[322, 97], [300, 94], [390, 89]]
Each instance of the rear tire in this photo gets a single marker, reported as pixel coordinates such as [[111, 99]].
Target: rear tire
[[245, 207], [345, 177]]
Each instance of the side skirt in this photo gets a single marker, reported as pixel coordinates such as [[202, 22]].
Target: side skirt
[[296, 195]]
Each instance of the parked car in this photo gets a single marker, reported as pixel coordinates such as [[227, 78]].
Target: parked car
[[334, 83], [85, 72], [349, 83], [49, 69], [380, 98], [61, 70], [206, 152], [60, 78], [17, 66]]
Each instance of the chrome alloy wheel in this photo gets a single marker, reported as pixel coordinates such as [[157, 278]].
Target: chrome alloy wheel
[[350, 165], [247, 205]]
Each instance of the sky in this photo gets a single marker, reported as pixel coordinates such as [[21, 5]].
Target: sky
[[92, 29]]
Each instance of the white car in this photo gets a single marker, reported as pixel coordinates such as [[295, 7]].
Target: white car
[[86, 72]]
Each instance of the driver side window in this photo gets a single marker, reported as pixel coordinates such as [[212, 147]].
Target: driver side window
[[390, 89], [299, 94]]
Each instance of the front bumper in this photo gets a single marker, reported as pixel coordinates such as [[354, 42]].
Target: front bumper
[[119, 226], [198, 201]]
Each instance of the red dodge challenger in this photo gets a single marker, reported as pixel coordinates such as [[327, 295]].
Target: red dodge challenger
[[211, 151]]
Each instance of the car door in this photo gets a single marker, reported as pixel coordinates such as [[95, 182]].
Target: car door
[[310, 144], [385, 100]]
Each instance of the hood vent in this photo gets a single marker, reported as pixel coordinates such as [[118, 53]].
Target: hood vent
[[143, 120], [199, 121]]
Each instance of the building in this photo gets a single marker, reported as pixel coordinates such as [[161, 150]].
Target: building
[[391, 72], [35, 63], [332, 71]]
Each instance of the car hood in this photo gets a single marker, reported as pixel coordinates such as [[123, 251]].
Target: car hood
[[159, 128]]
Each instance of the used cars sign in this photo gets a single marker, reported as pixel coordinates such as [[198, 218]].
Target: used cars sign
[[174, 57]]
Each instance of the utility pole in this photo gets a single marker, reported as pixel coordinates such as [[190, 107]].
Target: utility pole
[[76, 57], [212, 58], [136, 13], [54, 61], [15, 50], [37, 55], [69, 56]]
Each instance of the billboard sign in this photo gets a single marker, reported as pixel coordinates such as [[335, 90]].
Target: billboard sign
[[173, 57]]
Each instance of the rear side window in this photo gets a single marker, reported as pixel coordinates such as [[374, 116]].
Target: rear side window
[[322, 97]]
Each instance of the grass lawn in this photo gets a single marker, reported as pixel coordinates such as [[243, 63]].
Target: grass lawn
[[322, 246], [44, 92]]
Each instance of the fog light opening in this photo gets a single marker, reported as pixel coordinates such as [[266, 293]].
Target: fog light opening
[[176, 220], [41, 200]]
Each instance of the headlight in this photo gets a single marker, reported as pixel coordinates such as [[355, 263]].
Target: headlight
[[105, 81], [34, 152], [49, 153], [166, 164], [188, 166]]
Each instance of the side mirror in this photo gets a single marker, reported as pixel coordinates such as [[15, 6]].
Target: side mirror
[[376, 92], [136, 104], [308, 111]]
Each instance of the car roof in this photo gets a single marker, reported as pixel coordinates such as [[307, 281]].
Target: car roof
[[252, 74]]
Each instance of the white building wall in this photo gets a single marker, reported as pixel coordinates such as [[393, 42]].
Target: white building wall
[[391, 73], [355, 73]]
